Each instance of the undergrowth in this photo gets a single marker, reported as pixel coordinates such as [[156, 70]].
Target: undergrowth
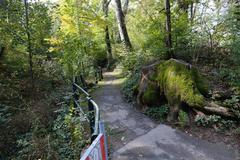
[[158, 113], [130, 85], [132, 65], [183, 119], [64, 139], [215, 121]]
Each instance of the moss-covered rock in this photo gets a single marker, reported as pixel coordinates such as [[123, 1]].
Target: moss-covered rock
[[175, 80], [180, 82], [151, 94], [148, 89]]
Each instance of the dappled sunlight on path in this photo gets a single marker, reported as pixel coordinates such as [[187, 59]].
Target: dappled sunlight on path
[[109, 78]]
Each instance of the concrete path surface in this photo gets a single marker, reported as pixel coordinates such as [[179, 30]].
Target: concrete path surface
[[133, 136]]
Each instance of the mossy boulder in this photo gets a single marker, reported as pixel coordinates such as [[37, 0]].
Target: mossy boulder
[[148, 88], [174, 80], [180, 82]]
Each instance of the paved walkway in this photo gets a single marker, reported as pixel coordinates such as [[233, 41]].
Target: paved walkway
[[133, 136]]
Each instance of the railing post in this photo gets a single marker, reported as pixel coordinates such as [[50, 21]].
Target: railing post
[[96, 77], [91, 118], [83, 82], [101, 74], [75, 95]]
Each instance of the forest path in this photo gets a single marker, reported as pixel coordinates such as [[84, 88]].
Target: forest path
[[133, 136]]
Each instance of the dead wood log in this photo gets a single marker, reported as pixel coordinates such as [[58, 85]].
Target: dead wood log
[[214, 108]]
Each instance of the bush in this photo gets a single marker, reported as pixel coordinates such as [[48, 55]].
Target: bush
[[237, 131], [207, 121], [130, 86], [183, 118], [233, 104], [67, 136], [132, 65], [230, 75], [134, 61], [63, 140], [158, 113], [215, 121]]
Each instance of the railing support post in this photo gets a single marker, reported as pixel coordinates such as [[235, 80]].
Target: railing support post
[[96, 76], [83, 82], [75, 95], [101, 74], [91, 119]]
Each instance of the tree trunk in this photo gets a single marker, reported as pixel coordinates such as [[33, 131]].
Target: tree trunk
[[191, 12], [168, 30], [109, 48], [107, 37], [29, 43], [125, 7], [2, 51], [122, 26]]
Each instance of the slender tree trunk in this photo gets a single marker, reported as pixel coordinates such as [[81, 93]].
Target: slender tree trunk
[[122, 26], [168, 30], [107, 37], [191, 12], [125, 7], [29, 43], [109, 48], [1, 51], [3, 5]]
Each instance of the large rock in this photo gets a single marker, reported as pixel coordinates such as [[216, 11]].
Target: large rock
[[148, 93], [176, 81]]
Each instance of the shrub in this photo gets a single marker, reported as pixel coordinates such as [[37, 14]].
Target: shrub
[[130, 86], [207, 121], [233, 104], [132, 65], [237, 131], [158, 113], [63, 140], [216, 121], [230, 75], [183, 118]]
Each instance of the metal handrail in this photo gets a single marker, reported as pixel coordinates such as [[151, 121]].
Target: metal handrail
[[98, 134], [81, 110], [81, 89], [97, 116], [92, 106]]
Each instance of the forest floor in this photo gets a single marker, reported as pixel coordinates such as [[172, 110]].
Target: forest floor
[[134, 136]]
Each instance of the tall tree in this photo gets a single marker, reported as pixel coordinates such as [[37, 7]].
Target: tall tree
[[29, 46], [183, 5], [107, 37], [3, 6], [125, 7], [122, 26], [168, 29]]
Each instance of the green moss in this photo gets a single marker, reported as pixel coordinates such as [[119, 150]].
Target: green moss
[[153, 76], [183, 119], [151, 95], [201, 82], [180, 83], [135, 90]]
